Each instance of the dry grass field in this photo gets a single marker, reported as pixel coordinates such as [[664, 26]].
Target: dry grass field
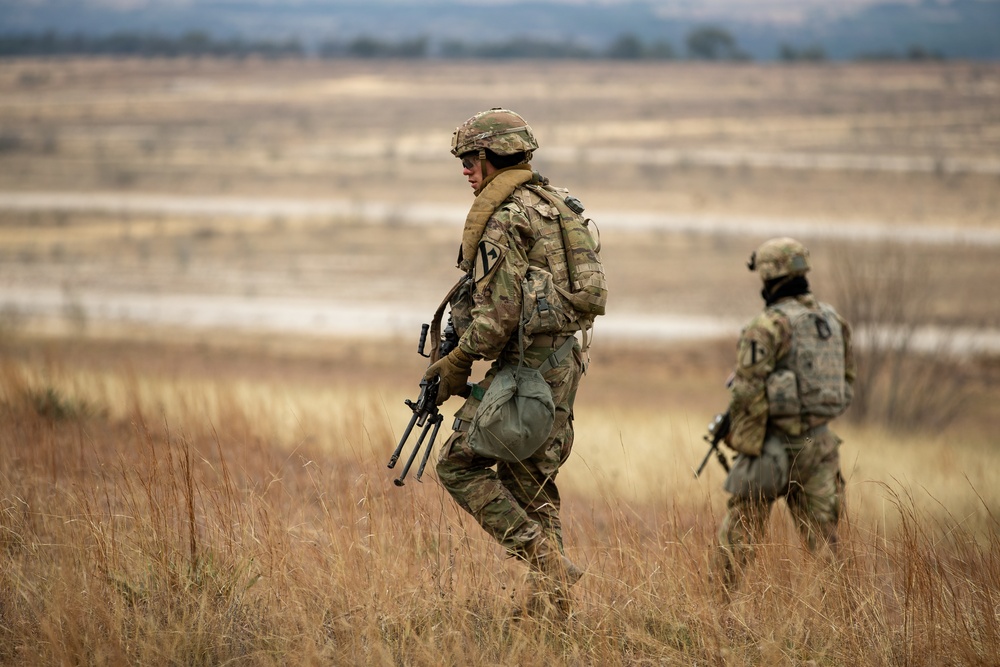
[[201, 494], [189, 504]]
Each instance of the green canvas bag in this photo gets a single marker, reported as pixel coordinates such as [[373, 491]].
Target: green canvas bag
[[764, 476], [516, 414]]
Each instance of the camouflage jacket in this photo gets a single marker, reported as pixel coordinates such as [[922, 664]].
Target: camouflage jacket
[[764, 343], [508, 246]]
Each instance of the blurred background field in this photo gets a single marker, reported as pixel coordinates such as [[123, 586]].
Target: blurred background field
[[213, 274]]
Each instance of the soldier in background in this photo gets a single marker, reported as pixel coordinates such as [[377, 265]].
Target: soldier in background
[[794, 373], [512, 308]]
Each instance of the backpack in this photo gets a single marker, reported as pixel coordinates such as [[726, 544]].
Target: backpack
[[576, 257]]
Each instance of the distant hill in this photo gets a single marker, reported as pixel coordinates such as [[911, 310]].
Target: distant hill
[[952, 29]]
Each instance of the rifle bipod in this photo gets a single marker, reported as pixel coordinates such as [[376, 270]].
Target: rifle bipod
[[425, 409], [425, 415]]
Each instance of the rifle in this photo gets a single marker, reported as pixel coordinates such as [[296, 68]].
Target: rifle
[[718, 429], [425, 410]]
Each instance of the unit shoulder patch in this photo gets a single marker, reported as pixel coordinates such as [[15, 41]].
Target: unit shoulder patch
[[752, 352], [488, 258]]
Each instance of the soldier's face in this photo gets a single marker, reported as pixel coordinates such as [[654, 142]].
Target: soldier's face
[[472, 169]]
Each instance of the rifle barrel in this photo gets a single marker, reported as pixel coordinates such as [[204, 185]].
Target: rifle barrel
[[704, 461]]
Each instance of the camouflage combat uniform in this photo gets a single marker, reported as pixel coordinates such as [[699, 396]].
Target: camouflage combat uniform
[[513, 235], [798, 347], [516, 502]]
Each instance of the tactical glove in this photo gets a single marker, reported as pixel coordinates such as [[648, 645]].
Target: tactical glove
[[454, 370], [741, 446]]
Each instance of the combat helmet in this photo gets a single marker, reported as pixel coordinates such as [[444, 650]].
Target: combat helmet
[[498, 130], [780, 257]]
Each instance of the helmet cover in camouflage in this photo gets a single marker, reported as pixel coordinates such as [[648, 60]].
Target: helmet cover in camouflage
[[780, 257], [499, 130]]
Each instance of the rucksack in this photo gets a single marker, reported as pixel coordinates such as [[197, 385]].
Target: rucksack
[[579, 254]]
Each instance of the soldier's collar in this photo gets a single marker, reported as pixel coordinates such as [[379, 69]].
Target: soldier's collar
[[500, 186]]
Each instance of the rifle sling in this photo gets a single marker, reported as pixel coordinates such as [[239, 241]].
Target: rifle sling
[[436, 320]]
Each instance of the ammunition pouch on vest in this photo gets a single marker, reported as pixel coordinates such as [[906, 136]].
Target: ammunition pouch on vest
[[543, 307]]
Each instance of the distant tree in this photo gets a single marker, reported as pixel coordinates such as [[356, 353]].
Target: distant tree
[[914, 53], [366, 47], [630, 47], [291, 47], [369, 47], [917, 52], [412, 48], [195, 43], [877, 56], [661, 50], [518, 47], [626, 47], [713, 43], [147, 45], [331, 48], [453, 48], [790, 53]]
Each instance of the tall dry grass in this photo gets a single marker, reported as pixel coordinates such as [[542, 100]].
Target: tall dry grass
[[158, 518]]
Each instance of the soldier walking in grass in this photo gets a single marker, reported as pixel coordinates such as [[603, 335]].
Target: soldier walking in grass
[[794, 373], [533, 280]]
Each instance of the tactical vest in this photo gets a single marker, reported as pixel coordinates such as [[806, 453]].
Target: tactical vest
[[808, 384], [565, 288]]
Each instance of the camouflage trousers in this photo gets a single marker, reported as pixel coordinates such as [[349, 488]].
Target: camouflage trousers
[[815, 498], [515, 502]]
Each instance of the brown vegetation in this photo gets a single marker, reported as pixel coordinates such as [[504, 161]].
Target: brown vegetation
[[206, 505]]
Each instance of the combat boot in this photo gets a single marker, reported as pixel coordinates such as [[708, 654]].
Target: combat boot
[[724, 575], [544, 556], [542, 601]]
